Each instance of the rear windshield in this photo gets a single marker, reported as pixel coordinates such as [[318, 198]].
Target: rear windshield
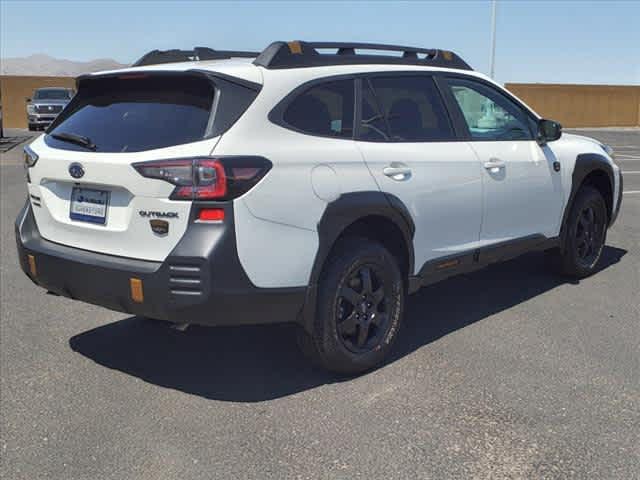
[[136, 113]]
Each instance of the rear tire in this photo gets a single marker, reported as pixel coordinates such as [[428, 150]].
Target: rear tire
[[360, 304], [585, 234]]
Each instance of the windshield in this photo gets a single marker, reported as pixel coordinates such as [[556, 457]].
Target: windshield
[[52, 94], [137, 113]]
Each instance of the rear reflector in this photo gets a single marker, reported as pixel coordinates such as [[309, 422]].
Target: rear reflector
[[211, 215], [32, 265], [137, 295]]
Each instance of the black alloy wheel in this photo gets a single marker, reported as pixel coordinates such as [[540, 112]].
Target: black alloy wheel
[[362, 309], [589, 235], [584, 234], [359, 308]]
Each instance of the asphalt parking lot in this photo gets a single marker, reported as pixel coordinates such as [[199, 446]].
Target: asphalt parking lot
[[511, 372]]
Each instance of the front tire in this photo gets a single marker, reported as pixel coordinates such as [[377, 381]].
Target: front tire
[[361, 298], [585, 234]]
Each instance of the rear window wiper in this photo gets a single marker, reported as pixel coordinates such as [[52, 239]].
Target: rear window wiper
[[73, 138]]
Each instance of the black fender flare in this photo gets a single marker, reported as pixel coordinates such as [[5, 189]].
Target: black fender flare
[[587, 163], [338, 216]]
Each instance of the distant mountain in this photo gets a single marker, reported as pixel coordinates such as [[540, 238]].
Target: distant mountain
[[45, 65]]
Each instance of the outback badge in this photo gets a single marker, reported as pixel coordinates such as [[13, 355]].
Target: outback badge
[[151, 213]]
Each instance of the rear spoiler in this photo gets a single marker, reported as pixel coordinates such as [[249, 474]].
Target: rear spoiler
[[155, 57], [131, 75]]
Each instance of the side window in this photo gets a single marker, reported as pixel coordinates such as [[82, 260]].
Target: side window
[[489, 115], [325, 109], [405, 109], [373, 125]]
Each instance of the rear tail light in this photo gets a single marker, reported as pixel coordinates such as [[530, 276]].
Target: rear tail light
[[207, 178]]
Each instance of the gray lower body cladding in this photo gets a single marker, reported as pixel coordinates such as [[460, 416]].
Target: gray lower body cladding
[[200, 282]]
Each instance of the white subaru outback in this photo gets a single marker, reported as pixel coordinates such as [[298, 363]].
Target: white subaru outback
[[312, 183]]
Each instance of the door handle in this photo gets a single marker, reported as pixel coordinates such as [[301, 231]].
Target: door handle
[[494, 165], [397, 171]]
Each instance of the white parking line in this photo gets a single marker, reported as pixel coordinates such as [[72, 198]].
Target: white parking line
[[627, 172], [627, 192]]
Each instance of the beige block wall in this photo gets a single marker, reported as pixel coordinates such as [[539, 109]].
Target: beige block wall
[[582, 105], [14, 90]]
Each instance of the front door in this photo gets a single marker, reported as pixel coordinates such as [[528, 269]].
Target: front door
[[522, 192]]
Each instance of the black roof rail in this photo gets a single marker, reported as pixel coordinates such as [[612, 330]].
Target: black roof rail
[[155, 57], [305, 54]]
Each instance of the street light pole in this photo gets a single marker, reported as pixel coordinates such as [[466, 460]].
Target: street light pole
[[492, 61]]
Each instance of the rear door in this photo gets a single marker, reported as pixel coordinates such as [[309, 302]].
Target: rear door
[[410, 146], [522, 193], [90, 196]]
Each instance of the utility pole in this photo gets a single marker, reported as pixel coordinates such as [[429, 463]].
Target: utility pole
[[492, 60]]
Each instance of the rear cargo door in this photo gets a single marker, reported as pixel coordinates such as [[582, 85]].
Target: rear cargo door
[[89, 196]]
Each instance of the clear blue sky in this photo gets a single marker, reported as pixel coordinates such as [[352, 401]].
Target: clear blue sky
[[538, 41]]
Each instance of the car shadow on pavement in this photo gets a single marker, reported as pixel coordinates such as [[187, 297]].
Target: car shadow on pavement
[[257, 363]]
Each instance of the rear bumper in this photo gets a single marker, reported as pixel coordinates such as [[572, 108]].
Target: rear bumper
[[201, 281]]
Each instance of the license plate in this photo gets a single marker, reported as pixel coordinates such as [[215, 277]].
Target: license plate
[[88, 205]]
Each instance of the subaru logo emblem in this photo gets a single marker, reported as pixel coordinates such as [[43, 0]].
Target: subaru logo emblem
[[76, 170]]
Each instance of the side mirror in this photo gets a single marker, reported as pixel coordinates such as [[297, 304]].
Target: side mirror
[[548, 131], [28, 100]]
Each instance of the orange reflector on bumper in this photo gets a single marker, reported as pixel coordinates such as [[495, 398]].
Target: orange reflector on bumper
[[137, 294], [32, 265]]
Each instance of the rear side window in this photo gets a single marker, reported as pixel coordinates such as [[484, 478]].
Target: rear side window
[[404, 109], [325, 110], [148, 112], [373, 124]]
